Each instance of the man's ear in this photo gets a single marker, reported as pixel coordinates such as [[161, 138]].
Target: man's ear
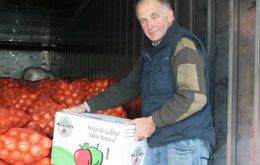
[[171, 17]]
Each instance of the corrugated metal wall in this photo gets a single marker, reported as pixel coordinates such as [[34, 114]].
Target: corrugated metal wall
[[107, 37], [104, 40]]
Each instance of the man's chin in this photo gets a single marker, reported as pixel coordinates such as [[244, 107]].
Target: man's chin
[[155, 39]]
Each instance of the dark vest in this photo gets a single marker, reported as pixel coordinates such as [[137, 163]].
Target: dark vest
[[158, 86]]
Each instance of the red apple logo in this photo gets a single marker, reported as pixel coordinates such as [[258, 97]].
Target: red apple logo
[[83, 156], [88, 155], [64, 130]]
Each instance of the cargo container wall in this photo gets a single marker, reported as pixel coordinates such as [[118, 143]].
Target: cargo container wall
[[102, 40]]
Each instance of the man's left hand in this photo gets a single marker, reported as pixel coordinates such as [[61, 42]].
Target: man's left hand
[[145, 127]]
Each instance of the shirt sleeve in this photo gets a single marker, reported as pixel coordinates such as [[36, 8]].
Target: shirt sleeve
[[190, 97], [119, 94]]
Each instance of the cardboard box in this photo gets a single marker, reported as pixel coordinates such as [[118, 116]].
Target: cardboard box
[[88, 139]]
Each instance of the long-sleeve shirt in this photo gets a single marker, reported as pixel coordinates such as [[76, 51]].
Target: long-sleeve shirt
[[188, 72]]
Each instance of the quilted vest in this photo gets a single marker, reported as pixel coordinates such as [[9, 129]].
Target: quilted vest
[[158, 86]]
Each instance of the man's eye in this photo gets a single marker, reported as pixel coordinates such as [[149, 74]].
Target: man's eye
[[154, 16], [141, 21]]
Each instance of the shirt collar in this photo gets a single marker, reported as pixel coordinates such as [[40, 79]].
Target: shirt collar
[[156, 43]]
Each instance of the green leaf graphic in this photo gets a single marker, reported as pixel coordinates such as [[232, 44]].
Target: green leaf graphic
[[61, 156]]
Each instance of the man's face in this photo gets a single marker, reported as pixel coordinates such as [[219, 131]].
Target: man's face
[[154, 19]]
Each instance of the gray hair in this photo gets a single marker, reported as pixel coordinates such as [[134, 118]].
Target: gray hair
[[165, 3]]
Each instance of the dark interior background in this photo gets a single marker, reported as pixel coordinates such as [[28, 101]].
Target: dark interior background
[[84, 38]]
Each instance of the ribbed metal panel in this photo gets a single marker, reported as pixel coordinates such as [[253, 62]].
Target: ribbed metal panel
[[79, 64], [104, 40]]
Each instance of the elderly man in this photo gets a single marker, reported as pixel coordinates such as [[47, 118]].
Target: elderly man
[[172, 76]]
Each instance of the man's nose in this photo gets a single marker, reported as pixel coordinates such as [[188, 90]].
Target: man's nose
[[149, 24]]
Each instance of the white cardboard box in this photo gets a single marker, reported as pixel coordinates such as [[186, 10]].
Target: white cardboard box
[[107, 141]]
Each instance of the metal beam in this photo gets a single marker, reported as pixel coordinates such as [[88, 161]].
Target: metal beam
[[211, 43], [210, 48], [256, 119], [134, 32], [191, 14], [232, 82], [175, 9]]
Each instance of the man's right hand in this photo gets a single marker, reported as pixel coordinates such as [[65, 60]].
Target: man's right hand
[[77, 109]]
